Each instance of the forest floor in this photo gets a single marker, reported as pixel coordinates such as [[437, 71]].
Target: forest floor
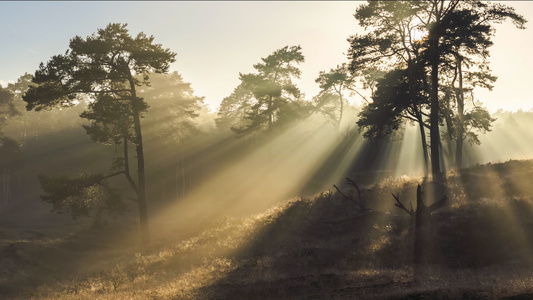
[[322, 247]]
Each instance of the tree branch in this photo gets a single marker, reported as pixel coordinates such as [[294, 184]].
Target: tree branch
[[357, 188], [433, 207], [345, 197], [400, 205]]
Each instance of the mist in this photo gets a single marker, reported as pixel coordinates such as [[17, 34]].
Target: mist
[[390, 178]]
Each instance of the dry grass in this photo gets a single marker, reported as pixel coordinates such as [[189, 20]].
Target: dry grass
[[319, 248]]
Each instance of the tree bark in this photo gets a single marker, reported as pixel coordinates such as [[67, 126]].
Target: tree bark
[[420, 226], [270, 117], [434, 115], [424, 144], [143, 210], [127, 172], [460, 116]]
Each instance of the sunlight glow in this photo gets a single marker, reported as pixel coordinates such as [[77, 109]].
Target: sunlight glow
[[271, 174], [418, 34]]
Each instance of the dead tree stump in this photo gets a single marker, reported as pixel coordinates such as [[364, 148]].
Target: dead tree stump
[[422, 217]]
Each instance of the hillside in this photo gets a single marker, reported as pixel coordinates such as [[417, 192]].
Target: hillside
[[322, 247]]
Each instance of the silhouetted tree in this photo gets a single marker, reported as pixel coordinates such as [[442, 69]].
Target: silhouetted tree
[[422, 221], [7, 106], [333, 84], [104, 68], [398, 97], [173, 107], [10, 152], [171, 120], [234, 108], [391, 45], [464, 52], [10, 158], [272, 89], [391, 50]]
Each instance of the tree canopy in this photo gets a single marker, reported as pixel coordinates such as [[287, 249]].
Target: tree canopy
[[437, 38], [106, 68], [267, 97]]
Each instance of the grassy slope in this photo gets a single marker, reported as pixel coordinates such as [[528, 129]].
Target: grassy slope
[[320, 248]]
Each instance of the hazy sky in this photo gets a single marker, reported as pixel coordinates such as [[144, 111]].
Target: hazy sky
[[217, 40]]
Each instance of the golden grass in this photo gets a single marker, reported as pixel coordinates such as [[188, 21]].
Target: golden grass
[[318, 248]]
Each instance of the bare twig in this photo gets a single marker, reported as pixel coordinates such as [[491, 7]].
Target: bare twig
[[400, 205], [346, 197], [361, 207], [358, 191]]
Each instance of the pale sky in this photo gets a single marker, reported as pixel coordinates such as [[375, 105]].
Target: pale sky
[[215, 40]]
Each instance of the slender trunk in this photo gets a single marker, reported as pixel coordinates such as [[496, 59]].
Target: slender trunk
[[420, 225], [127, 167], [143, 210], [424, 144], [460, 116], [434, 115], [340, 115], [270, 112], [449, 126]]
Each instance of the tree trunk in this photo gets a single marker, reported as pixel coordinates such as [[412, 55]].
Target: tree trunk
[[341, 109], [127, 172], [434, 115], [270, 117], [420, 226], [143, 210], [460, 116], [449, 127], [424, 144]]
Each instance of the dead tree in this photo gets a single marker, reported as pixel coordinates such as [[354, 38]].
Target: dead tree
[[421, 215], [360, 203]]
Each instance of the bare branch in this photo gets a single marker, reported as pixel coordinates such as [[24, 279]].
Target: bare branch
[[400, 205], [433, 207], [357, 188], [109, 176], [346, 197], [361, 207]]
